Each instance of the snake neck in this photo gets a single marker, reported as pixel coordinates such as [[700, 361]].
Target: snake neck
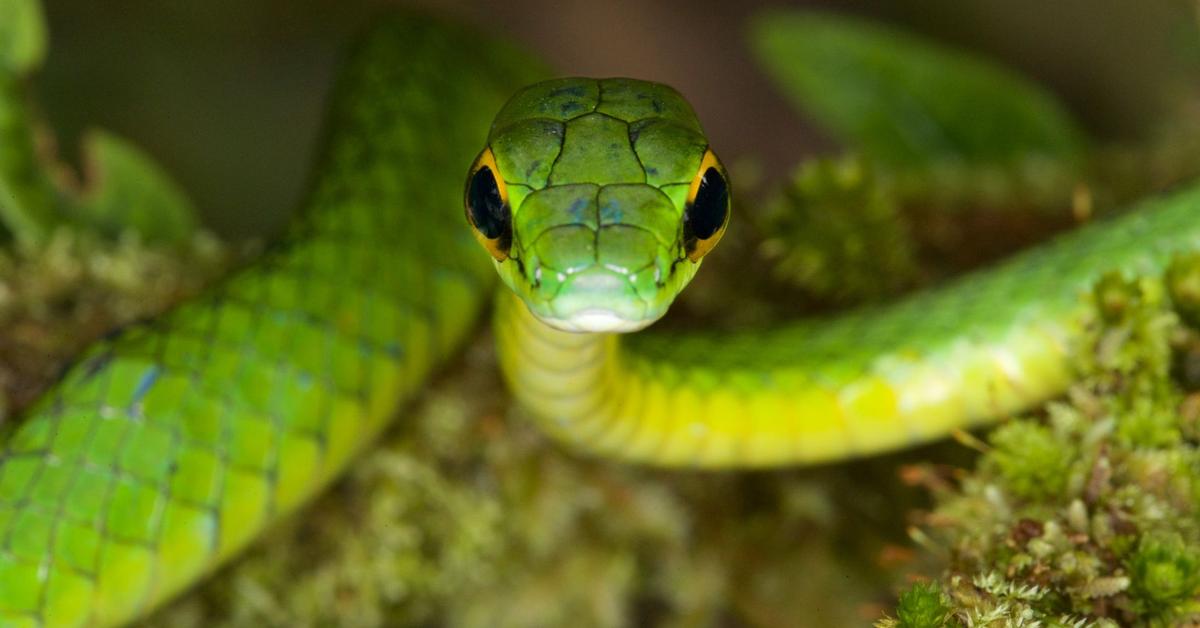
[[562, 377]]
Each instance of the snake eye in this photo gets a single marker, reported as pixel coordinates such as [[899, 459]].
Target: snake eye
[[707, 211], [487, 206]]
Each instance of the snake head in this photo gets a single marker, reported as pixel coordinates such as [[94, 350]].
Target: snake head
[[597, 200]]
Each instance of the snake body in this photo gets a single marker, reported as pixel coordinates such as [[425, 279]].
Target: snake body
[[168, 446]]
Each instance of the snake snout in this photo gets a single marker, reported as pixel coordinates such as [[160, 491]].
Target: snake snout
[[599, 299]]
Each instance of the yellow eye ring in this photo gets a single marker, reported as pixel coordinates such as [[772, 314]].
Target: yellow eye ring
[[485, 201], [706, 214]]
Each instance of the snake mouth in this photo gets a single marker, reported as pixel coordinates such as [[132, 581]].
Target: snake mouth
[[595, 320], [598, 300]]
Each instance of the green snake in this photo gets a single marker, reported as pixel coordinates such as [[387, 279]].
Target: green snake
[[171, 444]]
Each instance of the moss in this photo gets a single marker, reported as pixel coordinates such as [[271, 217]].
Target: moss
[[1114, 296], [838, 233], [925, 605], [1183, 284], [1030, 459], [1165, 576]]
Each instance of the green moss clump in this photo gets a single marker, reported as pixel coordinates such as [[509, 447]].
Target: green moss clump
[[838, 233], [1114, 295], [1183, 284], [1030, 459], [1165, 576], [925, 605]]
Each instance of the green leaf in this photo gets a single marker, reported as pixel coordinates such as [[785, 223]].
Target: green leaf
[[128, 191], [907, 102], [22, 36]]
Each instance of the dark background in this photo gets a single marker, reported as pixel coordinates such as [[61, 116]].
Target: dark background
[[227, 94]]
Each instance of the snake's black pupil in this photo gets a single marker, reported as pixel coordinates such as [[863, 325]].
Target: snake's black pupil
[[489, 214], [707, 211]]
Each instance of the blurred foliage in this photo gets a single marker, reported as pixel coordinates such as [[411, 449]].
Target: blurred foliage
[[906, 102], [933, 132], [125, 191], [948, 142], [28, 203], [78, 259], [22, 36]]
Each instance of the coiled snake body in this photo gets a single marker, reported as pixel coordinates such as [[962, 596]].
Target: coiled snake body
[[170, 445]]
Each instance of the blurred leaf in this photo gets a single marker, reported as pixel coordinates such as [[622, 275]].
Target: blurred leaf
[[22, 35], [127, 190], [905, 101], [28, 200]]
